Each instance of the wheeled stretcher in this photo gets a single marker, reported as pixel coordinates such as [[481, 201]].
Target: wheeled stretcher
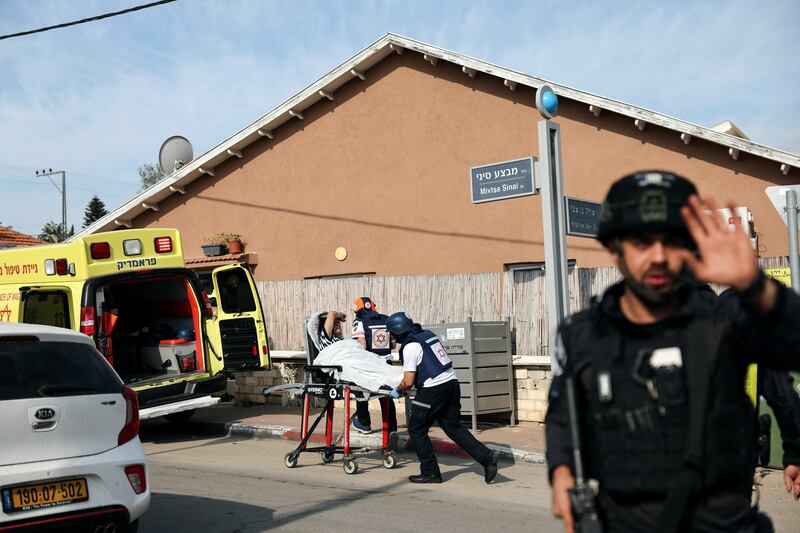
[[320, 384]]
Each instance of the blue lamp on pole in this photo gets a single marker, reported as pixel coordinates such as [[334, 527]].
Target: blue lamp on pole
[[546, 102]]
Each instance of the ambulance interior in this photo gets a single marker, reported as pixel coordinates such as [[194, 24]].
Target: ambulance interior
[[149, 327]]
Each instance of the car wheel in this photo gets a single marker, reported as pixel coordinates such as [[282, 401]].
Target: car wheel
[[180, 416]]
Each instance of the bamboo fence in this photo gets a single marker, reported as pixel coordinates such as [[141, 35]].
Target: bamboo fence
[[518, 296]]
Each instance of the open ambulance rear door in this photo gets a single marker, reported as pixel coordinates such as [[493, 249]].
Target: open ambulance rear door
[[237, 333]]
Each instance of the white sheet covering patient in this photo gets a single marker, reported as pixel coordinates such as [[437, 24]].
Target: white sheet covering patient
[[360, 366]]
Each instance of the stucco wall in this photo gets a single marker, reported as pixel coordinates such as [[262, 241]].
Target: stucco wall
[[383, 171]]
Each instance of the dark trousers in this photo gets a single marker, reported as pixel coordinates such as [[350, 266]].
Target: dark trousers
[[362, 413], [441, 404]]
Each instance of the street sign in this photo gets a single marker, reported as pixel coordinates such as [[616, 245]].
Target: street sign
[[583, 216], [499, 181], [777, 195]]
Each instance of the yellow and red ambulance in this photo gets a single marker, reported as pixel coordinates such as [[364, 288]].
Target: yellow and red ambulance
[[130, 291]]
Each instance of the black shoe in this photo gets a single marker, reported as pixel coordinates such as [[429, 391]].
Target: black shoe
[[490, 468], [422, 478]]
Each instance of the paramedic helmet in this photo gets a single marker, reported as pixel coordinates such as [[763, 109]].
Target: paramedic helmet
[[185, 334], [365, 303], [399, 323], [645, 202]]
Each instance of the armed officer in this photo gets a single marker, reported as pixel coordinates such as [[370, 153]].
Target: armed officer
[[369, 329], [428, 367], [659, 369]]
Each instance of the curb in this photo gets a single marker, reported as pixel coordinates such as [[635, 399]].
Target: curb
[[374, 441]]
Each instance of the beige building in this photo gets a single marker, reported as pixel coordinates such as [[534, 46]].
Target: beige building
[[374, 158]]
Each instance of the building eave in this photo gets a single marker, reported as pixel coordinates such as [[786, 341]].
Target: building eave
[[356, 68]]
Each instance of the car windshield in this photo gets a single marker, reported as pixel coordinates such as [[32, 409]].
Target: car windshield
[[33, 369]]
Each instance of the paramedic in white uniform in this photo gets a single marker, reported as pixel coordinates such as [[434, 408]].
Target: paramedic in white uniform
[[427, 366]]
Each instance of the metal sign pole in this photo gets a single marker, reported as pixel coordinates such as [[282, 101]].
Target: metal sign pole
[[553, 214], [791, 222]]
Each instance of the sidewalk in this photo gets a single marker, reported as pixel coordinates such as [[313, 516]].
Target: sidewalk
[[522, 443]]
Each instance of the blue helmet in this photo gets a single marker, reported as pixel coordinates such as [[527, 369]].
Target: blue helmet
[[399, 323], [186, 334]]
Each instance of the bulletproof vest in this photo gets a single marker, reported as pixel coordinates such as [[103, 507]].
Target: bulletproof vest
[[637, 444], [375, 333], [435, 359]]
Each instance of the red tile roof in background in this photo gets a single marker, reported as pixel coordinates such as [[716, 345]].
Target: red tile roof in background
[[15, 238]]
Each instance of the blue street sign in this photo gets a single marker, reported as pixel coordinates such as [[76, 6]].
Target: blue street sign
[[498, 181], [583, 216]]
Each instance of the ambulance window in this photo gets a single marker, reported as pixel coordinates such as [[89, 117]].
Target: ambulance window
[[235, 295], [48, 308]]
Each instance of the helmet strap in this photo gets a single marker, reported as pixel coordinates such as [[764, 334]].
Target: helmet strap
[[648, 295]]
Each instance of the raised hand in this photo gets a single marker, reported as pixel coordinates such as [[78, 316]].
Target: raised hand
[[725, 257]]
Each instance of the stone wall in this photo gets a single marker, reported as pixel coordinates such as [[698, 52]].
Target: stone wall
[[531, 385]]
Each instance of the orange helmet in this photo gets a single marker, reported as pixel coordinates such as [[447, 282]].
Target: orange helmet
[[364, 302]]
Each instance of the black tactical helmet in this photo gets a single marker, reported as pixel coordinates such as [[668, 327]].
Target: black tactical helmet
[[647, 201]]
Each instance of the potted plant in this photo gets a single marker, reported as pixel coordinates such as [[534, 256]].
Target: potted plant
[[215, 245], [234, 242]]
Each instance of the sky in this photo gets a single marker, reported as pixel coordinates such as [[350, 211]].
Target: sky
[[97, 100]]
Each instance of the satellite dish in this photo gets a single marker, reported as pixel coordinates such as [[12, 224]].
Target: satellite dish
[[174, 153]]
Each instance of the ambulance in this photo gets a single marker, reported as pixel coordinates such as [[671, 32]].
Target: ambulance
[[129, 290]]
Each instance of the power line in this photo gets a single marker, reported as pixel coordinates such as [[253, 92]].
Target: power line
[[90, 19]]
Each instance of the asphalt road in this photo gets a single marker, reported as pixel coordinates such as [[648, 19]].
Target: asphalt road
[[207, 483], [213, 484]]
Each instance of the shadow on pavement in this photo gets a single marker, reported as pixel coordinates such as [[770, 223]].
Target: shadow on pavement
[[170, 513]]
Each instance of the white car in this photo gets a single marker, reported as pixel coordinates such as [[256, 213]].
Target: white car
[[70, 455]]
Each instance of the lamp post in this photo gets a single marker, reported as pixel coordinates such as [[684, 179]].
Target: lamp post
[[63, 190], [553, 218]]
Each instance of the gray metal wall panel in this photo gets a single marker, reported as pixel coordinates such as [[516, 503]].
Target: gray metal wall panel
[[493, 359], [490, 345], [493, 402], [488, 388]]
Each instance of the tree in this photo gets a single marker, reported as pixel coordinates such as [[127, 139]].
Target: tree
[[54, 232], [151, 174], [95, 210]]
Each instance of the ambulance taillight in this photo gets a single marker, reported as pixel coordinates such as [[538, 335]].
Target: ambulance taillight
[[163, 244], [100, 250], [61, 267], [87, 321]]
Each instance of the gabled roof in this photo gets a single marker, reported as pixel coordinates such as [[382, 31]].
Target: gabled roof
[[358, 67], [9, 238]]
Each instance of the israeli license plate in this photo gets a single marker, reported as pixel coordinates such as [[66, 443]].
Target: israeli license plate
[[42, 495]]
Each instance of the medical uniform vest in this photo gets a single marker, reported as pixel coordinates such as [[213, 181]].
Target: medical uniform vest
[[435, 359]]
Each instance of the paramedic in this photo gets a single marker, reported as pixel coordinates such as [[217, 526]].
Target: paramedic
[[428, 367], [369, 329], [330, 327], [658, 369]]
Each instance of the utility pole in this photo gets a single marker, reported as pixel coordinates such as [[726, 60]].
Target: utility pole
[[63, 190]]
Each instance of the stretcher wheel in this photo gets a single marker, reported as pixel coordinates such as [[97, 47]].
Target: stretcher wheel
[[327, 457], [290, 460], [350, 466], [389, 461]]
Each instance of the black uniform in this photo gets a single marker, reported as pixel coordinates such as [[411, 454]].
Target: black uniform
[[777, 388], [639, 386]]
